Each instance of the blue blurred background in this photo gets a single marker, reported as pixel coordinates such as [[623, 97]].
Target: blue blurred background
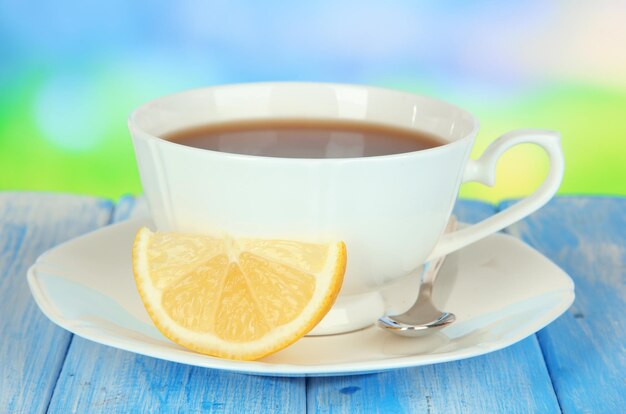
[[71, 71]]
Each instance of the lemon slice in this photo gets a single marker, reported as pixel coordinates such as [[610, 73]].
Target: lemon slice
[[235, 298]]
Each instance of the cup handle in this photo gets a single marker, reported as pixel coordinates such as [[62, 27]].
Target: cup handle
[[483, 170]]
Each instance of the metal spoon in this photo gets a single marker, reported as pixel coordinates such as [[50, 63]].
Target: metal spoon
[[423, 317]]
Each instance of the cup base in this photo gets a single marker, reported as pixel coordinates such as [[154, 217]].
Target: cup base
[[354, 312], [351, 313]]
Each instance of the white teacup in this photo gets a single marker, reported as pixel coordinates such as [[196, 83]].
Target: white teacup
[[390, 210]]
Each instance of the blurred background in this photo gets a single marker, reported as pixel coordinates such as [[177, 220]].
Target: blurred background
[[71, 72]]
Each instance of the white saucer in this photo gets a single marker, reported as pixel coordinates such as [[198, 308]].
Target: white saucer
[[500, 289]]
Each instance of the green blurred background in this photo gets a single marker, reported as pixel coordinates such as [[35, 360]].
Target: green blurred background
[[72, 71]]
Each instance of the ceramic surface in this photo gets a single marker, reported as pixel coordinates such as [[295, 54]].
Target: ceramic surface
[[389, 210]]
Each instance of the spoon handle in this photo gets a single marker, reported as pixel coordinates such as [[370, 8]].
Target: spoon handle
[[432, 268], [429, 276]]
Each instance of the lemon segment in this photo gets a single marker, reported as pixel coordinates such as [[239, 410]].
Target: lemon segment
[[235, 298]]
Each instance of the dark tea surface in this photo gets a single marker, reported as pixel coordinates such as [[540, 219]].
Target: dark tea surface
[[305, 138]]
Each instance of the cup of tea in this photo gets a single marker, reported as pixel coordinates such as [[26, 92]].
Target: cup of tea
[[379, 169]]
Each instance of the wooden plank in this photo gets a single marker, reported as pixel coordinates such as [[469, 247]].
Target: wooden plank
[[129, 207], [472, 211], [32, 348], [100, 379], [585, 349], [512, 380]]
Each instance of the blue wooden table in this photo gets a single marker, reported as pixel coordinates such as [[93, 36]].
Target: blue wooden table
[[575, 365]]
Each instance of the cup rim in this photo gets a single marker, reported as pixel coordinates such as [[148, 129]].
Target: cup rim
[[135, 129]]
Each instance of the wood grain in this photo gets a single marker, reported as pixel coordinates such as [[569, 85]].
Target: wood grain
[[100, 379], [32, 348], [585, 349], [513, 380]]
